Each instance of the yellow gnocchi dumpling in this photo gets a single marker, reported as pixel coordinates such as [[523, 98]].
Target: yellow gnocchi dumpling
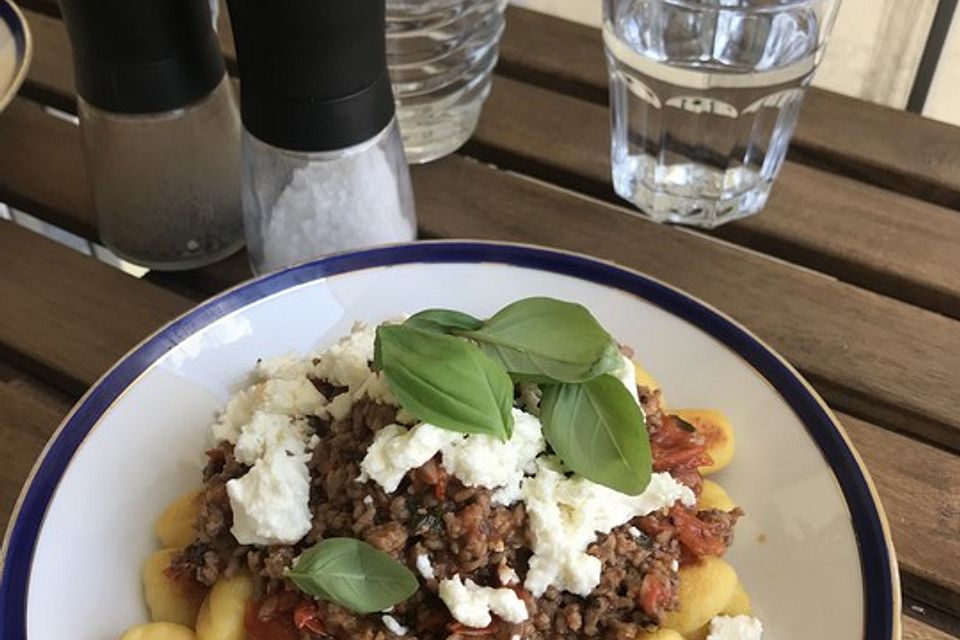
[[717, 431], [713, 496], [221, 614], [705, 588], [739, 604], [159, 631], [660, 634], [174, 527], [167, 599]]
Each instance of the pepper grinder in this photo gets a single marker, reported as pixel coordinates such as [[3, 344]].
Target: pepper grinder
[[323, 162], [160, 128]]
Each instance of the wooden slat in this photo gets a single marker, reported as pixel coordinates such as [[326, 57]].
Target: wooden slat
[[829, 329], [69, 316], [919, 484], [896, 150], [879, 240], [814, 219], [40, 159], [916, 630], [29, 413]]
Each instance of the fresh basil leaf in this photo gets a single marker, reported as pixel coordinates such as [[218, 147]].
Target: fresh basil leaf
[[599, 432], [544, 339], [353, 574], [443, 321], [446, 381]]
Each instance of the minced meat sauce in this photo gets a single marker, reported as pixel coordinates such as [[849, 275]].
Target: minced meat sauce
[[462, 532]]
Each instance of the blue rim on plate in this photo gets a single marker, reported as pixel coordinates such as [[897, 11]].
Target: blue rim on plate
[[23, 50], [881, 592]]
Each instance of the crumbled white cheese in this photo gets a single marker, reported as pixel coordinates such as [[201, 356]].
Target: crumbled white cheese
[[313, 442], [270, 503], [634, 532], [565, 516], [674, 565], [347, 363], [290, 394], [471, 604], [515, 636], [507, 575], [268, 432], [485, 461], [368, 499], [396, 450], [627, 374], [393, 626], [735, 628], [424, 567]]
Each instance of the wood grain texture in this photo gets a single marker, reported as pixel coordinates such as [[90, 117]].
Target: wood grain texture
[[916, 630], [42, 167], [829, 329], [884, 146], [29, 413], [813, 218], [879, 240], [920, 490], [69, 317]]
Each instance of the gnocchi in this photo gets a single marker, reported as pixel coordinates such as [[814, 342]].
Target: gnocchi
[[739, 604], [660, 634], [174, 527], [713, 496], [718, 432], [159, 631], [221, 614], [705, 588], [169, 599]]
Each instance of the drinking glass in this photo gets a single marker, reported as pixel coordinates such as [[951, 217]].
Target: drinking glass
[[704, 95]]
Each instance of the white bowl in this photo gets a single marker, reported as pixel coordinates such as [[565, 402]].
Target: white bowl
[[813, 549]]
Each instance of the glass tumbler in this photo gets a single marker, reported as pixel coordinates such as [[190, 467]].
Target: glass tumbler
[[441, 54], [704, 96]]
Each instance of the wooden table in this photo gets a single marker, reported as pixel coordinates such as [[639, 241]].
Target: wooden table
[[852, 271]]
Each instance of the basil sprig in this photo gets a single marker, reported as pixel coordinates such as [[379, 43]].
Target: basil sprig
[[598, 431], [352, 574], [446, 381], [547, 340], [455, 371]]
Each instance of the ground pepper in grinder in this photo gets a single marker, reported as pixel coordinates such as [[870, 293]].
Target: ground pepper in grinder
[[323, 163], [161, 130]]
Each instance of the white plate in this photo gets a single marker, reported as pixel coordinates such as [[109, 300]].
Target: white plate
[[16, 49], [813, 549]]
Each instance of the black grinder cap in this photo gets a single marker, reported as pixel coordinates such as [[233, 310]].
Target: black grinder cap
[[143, 56], [313, 73]]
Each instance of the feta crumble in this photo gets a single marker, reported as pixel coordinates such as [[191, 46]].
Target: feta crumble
[[393, 626], [565, 516], [471, 604], [396, 450], [424, 567], [270, 503], [485, 461], [627, 374], [735, 628], [347, 363]]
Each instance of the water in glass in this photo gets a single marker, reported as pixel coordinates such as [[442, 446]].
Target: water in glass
[[704, 98], [441, 54]]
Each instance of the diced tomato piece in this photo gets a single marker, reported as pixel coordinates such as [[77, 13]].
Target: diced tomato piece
[[276, 628], [653, 595], [695, 534]]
